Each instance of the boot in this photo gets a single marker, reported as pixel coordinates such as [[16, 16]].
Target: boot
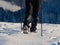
[[33, 29], [25, 29]]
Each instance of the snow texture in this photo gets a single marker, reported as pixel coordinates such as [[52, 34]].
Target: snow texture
[[9, 6], [11, 34]]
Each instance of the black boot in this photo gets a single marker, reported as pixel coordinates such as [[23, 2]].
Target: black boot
[[33, 29]]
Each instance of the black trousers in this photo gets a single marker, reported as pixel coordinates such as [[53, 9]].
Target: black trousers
[[32, 6]]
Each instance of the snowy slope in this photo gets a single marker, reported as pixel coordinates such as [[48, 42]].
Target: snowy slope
[[11, 34]]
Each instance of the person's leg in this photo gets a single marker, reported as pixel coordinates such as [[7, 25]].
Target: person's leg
[[28, 12], [34, 15]]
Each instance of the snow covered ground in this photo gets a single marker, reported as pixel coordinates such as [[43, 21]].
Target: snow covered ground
[[11, 34]]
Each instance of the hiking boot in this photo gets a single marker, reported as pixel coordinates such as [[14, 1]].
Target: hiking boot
[[25, 29], [32, 29]]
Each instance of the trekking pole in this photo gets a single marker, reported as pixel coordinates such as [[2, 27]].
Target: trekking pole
[[41, 18], [41, 24], [21, 13]]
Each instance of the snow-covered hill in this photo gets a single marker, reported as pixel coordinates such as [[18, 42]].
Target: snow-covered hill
[[11, 34]]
